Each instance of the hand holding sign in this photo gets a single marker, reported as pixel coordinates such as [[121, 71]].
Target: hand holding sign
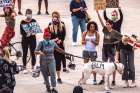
[[32, 28]]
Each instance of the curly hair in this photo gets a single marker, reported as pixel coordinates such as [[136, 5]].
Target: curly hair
[[94, 23]]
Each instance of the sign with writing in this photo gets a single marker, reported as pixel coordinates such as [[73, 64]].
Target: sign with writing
[[99, 4], [4, 3], [112, 3], [31, 28], [97, 65]]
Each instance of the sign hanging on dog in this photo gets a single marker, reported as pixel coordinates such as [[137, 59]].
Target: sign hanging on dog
[[99, 4], [112, 3], [5, 3]]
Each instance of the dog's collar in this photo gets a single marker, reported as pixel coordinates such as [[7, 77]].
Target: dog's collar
[[115, 66]]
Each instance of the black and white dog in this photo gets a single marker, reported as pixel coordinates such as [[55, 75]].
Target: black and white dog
[[103, 68]]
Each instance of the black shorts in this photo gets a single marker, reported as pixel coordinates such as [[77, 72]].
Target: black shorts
[[108, 53], [90, 54]]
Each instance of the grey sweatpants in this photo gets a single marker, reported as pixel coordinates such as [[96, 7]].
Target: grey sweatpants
[[49, 68], [127, 59]]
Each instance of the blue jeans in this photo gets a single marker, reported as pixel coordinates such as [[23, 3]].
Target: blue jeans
[[49, 68], [76, 22]]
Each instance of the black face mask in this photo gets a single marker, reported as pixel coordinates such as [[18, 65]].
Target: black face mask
[[55, 21]]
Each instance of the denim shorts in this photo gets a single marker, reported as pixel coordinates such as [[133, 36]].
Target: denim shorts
[[90, 54]]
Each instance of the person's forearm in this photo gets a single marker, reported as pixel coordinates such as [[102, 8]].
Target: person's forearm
[[121, 15], [60, 50], [2, 15], [76, 10], [37, 52], [105, 16], [100, 18], [117, 56]]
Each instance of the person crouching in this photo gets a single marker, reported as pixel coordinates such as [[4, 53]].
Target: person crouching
[[7, 70]]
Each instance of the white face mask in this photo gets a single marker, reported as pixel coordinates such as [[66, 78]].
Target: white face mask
[[29, 16]]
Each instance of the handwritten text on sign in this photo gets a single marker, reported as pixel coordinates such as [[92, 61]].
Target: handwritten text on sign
[[4, 3], [99, 4], [112, 3], [32, 28]]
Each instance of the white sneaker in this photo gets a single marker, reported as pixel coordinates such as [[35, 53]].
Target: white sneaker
[[74, 44], [132, 85], [25, 71], [126, 84]]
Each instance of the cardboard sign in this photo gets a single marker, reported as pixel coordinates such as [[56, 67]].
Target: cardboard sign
[[5, 3], [31, 28], [99, 4], [112, 3]]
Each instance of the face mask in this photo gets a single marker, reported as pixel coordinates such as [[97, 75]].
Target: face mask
[[29, 16], [55, 21], [114, 18]]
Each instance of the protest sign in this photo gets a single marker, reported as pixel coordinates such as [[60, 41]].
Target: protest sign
[[31, 28], [99, 4], [112, 3], [5, 3]]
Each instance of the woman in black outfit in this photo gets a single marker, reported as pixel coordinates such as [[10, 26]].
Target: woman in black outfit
[[58, 33], [28, 39]]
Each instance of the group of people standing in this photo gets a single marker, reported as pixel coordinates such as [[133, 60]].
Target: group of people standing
[[53, 45], [52, 50], [113, 50]]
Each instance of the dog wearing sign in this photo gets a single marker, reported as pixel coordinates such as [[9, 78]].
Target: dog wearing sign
[[103, 68]]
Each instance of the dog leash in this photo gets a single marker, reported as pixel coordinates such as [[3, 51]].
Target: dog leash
[[72, 56]]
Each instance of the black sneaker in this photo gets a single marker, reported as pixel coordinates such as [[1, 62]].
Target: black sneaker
[[65, 70], [48, 89], [38, 13], [19, 13], [54, 91], [101, 82], [47, 13], [113, 83], [59, 81]]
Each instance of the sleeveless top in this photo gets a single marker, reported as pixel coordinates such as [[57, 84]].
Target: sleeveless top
[[90, 46]]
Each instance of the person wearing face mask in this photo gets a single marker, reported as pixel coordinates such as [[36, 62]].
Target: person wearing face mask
[[28, 39], [58, 33], [46, 50], [108, 50], [114, 17]]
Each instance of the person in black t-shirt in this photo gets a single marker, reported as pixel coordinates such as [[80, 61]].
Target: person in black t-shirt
[[114, 17], [126, 54], [28, 39], [58, 33], [78, 8]]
